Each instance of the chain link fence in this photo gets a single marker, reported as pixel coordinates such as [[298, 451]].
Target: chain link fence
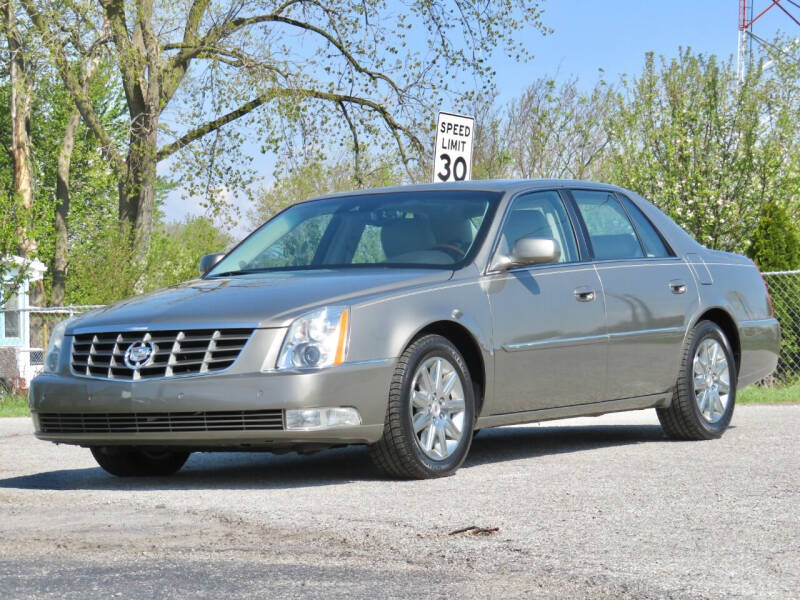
[[24, 333], [784, 288]]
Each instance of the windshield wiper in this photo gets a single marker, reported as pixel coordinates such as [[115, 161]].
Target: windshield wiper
[[242, 272]]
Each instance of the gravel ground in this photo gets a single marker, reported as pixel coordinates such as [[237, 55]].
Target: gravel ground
[[585, 508]]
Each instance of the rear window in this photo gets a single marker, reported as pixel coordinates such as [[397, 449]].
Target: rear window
[[610, 230]]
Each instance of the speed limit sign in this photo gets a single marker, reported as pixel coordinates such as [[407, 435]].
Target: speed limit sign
[[453, 157]]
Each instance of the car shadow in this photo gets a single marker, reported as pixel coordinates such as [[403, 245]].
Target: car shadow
[[513, 443], [261, 470]]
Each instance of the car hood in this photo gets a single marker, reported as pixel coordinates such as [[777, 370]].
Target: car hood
[[256, 300]]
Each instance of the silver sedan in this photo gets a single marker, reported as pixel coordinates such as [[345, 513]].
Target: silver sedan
[[406, 319]]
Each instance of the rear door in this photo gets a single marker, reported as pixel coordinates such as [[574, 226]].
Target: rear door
[[549, 320], [649, 294]]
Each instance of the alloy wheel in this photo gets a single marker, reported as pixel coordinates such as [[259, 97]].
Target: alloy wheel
[[711, 379], [437, 408]]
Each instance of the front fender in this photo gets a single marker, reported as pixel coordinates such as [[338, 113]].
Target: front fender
[[384, 327]]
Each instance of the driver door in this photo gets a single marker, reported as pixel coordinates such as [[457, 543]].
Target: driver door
[[550, 337]]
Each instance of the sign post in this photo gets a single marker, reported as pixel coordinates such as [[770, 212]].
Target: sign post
[[453, 153]]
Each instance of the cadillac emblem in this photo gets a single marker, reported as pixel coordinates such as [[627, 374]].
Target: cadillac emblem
[[139, 354]]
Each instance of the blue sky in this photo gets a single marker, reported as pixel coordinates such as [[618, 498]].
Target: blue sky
[[614, 36]]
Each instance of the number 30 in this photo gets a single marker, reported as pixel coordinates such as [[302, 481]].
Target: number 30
[[459, 168]]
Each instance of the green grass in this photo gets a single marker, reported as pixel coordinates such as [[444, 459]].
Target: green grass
[[786, 394], [14, 406]]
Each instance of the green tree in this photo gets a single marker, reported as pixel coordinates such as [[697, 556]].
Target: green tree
[[74, 187], [707, 149], [776, 241], [177, 248], [776, 247], [100, 273], [326, 71], [60, 147]]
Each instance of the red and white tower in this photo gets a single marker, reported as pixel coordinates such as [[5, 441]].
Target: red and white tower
[[746, 37]]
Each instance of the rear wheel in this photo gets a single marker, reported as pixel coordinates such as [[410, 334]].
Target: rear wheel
[[430, 413], [136, 462], [705, 394]]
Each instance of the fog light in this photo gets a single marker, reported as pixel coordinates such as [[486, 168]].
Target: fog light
[[322, 418]]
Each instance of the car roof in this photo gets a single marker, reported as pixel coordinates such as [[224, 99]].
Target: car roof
[[488, 185]]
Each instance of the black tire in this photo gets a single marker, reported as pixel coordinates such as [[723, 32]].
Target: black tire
[[136, 462], [682, 420], [397, 453]]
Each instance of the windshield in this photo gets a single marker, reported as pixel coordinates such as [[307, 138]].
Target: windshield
[[417, 229]]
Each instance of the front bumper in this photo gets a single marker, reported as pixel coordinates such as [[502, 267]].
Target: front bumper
[[363, 386]]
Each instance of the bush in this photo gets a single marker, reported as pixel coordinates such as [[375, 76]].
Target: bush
[[776, 241]]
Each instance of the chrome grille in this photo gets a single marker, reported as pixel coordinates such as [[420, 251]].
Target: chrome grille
[[176, 352], [235, 420]]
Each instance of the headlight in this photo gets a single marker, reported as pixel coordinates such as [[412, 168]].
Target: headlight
[[315, 340], [54, 346]]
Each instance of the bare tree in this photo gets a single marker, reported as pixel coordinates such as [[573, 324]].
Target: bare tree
[[558, 131]]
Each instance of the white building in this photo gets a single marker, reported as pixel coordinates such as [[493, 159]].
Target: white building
[[17, 358]]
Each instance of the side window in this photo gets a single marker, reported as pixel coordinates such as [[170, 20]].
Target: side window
[[540, 214], [653, 244], [610, 231]]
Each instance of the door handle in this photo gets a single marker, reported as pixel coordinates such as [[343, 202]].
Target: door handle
[[584, 294], [676, 286]]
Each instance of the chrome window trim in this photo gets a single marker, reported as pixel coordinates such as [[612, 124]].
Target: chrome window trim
[[627, 261], [584, 265]]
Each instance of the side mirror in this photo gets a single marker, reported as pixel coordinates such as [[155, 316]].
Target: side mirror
[[530, 251], [209, 260]]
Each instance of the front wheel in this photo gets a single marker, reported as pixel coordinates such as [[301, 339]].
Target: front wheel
[[705, 394], [430, 413], [137, 462]]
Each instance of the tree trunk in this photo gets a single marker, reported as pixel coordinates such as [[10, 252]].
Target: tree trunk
[[20, 108], [137, 190], [61, 248], [62, 209]]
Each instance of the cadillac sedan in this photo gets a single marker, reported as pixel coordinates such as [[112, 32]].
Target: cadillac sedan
[[408, 318]]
